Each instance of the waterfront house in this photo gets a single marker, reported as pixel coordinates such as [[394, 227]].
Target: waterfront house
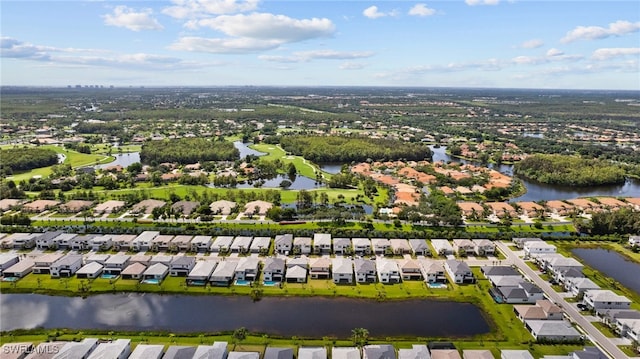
[[43, 262], [322, 243], [216, 351], [156, 272], [342, 270], [578, 285], [90, 270], [283, 243], [222, 207], [442, 247], [200, 243], [502, 209], [273, 269], [45, 240], [530, 209], [180, 243], [201, 272], [445, 354], [260, 245], [223, 273], [20, 269], [380, 245], [484, 247], [77, 349], [7, 260], [609, 316], [142, 242], [500, 281], [365, 270], [101, 243], [542, 310], [180, 352], [388, 271], [161, 243], [348, 353], [584, 205], [516, 354], [463, 247], [222, 244], [312, 353], [433, 271], [459, 271], [557, 265], [417, 351], [133, 271], [489, 271], [568, 274], [628, 328], [342, 246], [400, 246], [123, 242], [380, 351], [301, 245], [66, 266], [553, 330], [116, 263], [420, 247], [598, 299], [247, 269], [296, 274], [361, 246], [278, 353], [241, 244], [180, 266], [532, 248], [477, 354], [520, 242], [410, 269], [115, 349], [147, 351], [243, 355], [524, 292], [559, 207], [319, 268]]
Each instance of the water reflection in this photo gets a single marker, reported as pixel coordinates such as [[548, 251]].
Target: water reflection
[[612, 264]]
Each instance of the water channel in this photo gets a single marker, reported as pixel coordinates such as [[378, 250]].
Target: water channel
[[285, 316], [612, 264]]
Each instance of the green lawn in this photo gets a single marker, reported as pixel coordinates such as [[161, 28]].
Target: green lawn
[[304, 167]]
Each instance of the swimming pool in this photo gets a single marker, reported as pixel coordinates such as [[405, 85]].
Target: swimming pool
[[437, 285], [242, 282], [270, 283], [10, 279], [151, 281], [109, 276]]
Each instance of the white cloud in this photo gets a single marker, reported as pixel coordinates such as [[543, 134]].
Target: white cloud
[[617, 28], [552, 55], [531, 44], [482, 2], [554, 52], [608, 53], [305, 56], [128, 18], [12, 48], [421, 10], [372, 12], [351, 66], [223, 46], [184, 9]]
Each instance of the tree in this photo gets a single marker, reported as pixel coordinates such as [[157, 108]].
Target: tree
[[360, 336], [240, 334]]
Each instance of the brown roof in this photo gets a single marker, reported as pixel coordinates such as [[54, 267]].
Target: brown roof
[[75, 206], [40, 205]]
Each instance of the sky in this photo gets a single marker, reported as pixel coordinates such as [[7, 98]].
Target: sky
[[455, 43]]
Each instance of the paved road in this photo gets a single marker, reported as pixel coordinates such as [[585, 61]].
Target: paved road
[[594, 334]]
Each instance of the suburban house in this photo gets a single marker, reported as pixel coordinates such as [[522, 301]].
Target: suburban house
[[63, 241], [222, 207], [410, 269], [532, 248], [400, 246], [142, 242], [216, 351], [19, 270], [147, 351], [7, 260], [278, 353], [542, 310], [247, 269], [598, 299], [322, 243], [45, 240], [484, 247], [77, 349], [380, 245], [301, 245], [342, 270], [101, 243], [222, 244], [141, 258], [433, 271], [74, 206], [260, 245], [223, 274], [578, 285], [296, 274], [342, 246], [259, 208], [524, 292], [553, 330], [180, 243], [133, 271], [502, 209], [159, 258], [116, 349], [161, 243], [365, 270], [559, 264], [312, 353], [388, 271], [147, 206], [417, 351], [20, 240], [180, 266], [489, 271], [108, 207], [380, 351], [116, 263], [445, 354], [200, 243], [90, 270], [628, 328], [123, 242], [463, 247], [39, 205], [530, 209], [66, 266], [283, 243], [361, 246], [477, 354], [568, 274], [273, 269], [442, 247], [155, 272], [516, 354], [179, 352], [81, 243], [44, 262], [520, 242], [420, 247], [559, 207], [201, 272], [241, 355], [241, 244], [345, 353], [609, 316], [459, 271], [185, 208], [319, 268]]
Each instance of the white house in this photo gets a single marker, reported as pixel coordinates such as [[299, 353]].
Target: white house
[[604, 299], [442, 247], [342, 270], [361, 246], [200, 243], [302, 245], [538, 247], [388, 271], [142, 242], [284, 243], [101, 243], [66, 266], [459, 271], [322, 243]]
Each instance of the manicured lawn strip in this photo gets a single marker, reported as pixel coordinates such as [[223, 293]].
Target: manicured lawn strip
[[304, 167], [604, 329]]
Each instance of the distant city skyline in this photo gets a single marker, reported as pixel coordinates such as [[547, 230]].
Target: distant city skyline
[[472, 43]]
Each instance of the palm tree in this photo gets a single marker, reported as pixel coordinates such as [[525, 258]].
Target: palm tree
[[360, 336]]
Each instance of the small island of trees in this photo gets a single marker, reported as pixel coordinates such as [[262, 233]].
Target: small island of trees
[[569, 170], [323, 149], [25, 159], [188, 150]]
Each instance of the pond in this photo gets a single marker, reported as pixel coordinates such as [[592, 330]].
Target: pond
[[284, 316], [245, 150], [333, 168], [612, 264], [123, 159]]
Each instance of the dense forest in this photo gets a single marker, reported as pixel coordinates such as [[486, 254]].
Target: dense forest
[[25, 159], [569, 170], [347, 149], [624, 221], [187, 150]]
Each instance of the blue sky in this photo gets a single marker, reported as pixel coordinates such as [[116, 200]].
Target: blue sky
[[472, 43]]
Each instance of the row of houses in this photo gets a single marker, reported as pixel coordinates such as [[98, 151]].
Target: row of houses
[[509, 286], [286, 244], [92, 348]]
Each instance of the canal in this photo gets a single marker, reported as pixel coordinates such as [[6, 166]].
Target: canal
[[611, 264]]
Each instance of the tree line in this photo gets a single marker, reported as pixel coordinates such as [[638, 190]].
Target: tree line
[[25, 159], [569, 170], [188, 150], [348, 149]]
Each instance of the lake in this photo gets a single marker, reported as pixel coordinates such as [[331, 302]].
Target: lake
[[284, 316], [123, 159], [612, 264], [245, 150]]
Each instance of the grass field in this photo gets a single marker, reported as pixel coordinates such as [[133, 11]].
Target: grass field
[[304, 167]]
